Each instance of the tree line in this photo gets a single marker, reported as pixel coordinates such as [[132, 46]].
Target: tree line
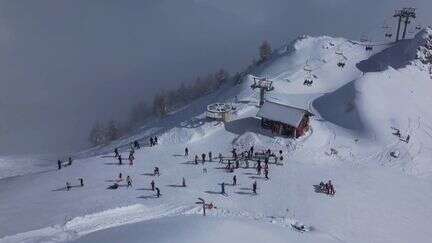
[[170, 100]]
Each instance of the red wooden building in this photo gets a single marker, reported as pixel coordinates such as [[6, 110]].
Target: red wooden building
[[284, 119]]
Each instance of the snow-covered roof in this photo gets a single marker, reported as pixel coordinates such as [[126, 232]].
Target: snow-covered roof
[[281, 113]]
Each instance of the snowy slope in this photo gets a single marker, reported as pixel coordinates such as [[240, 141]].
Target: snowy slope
[[355, 108]]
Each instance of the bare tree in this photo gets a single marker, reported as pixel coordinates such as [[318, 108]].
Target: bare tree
[[265, 51], [160, 105], [112, 131], [97, 134]]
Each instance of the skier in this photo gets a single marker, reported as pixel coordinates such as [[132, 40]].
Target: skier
[[81, 180], [70, 161], [136, 144], [151, 142], [152, 184], [234, 152], [266, 171], [120, 177], [158, 194], [258, 168], [68, 186], [228, 165], [268, 152], [220, 158], [196, 159], [114, 186], [186, 152], [210, 156], [155, 140], [251, 150], [156, 171], [131, 158], [234, 180], [407, 139], [183, 182], [120, 159], [237, 164], [203, 156], [116, 153], [331, 190], [254, 187], [59, 163], [223, 188], [129, 181]]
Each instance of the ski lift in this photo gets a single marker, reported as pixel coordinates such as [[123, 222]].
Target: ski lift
[[309, 76], [388, 35], [368, 48], [342, 58], [418, 27], [363, 39]]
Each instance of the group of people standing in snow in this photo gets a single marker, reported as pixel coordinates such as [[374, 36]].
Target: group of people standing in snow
[[261, 164]]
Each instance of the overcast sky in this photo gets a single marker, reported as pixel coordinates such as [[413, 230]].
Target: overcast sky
[[66, 63]]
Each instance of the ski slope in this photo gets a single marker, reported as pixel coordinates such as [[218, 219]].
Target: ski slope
[[379, 197]]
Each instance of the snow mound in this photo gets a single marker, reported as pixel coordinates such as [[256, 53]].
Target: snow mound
[[246, 140], [197, 229]]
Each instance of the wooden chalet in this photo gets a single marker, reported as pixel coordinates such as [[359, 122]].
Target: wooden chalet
[[284, 119]]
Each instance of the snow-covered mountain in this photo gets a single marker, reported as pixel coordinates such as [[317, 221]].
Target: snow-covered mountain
[[382, 177]]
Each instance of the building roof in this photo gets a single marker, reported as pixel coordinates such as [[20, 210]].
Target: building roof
[[282, 113]]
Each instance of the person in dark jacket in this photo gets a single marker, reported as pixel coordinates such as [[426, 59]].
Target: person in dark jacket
[[152, 184]]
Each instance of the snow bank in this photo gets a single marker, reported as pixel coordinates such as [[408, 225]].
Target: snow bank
[[198, 229]]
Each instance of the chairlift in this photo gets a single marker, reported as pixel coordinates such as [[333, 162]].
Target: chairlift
[[308, 82], [418, 27], [369, 48], [309, 76], [388, 35], [341, 64]]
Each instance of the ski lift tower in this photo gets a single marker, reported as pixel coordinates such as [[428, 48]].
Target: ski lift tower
[[406, 13], [264, 85]]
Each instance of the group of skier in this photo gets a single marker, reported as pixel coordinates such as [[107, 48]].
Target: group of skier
[[61, 164], [327, 188], [261, 165], [153, 141], [69, 186]]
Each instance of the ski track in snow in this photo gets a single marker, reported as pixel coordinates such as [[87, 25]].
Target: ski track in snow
[[79, 226]]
